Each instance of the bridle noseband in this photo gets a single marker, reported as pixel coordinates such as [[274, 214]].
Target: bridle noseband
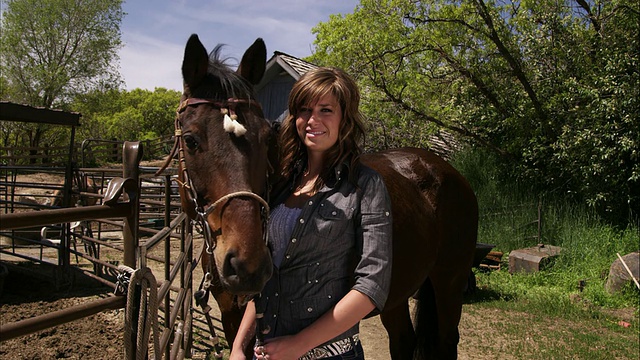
[[227, 108]]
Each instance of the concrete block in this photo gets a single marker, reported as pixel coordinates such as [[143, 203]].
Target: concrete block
[[532, 259]]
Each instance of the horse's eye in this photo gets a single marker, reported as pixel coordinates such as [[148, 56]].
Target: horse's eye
[[191, 142]]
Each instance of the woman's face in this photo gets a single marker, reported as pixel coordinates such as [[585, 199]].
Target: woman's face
[[318, 124]]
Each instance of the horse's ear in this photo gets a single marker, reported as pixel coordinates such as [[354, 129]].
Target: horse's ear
[[195, 62], [254, 62]]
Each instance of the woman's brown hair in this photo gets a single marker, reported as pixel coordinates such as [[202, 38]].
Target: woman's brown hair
[[309, 89]]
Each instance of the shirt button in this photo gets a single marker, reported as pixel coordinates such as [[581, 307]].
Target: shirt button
[[334, 213], [294, 240], [276, 294], [309, 309], [275, 316], [288, 256], [310, 202], [329, 297], [301, 221], [386, 213], [316, 281]]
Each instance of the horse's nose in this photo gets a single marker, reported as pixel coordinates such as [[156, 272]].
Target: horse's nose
[[242, 280]]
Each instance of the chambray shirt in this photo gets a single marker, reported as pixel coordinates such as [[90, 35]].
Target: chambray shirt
[[341, 241]]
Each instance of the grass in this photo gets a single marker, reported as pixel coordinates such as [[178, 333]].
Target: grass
[[548, 315]]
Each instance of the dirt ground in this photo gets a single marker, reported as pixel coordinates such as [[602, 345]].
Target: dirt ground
[[100, 336]]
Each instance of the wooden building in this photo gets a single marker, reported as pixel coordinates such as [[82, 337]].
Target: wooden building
[[273, 91]]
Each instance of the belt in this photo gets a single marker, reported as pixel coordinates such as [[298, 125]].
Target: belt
[[337, 347]]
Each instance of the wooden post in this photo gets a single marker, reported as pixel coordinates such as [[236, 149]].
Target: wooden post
[[131, 156]]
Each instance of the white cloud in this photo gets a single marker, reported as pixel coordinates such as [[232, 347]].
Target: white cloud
[[147, 62]]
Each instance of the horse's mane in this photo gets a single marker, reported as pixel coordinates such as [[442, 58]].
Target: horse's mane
[[233, 85]]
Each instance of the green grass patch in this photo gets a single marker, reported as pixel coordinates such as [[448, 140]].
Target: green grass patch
[[548, 314]]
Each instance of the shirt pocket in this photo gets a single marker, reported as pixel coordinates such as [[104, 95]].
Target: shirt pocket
[[332, 221]]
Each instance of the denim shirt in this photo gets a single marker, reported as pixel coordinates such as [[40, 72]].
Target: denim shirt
[[341, 241]]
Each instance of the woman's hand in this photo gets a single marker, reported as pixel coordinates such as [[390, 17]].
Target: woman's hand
[[281, 348]]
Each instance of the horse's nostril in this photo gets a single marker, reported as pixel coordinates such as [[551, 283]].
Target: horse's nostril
[[230, 263], [233, 266]]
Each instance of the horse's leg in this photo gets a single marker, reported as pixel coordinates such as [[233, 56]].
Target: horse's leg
[[402, 338], [426, 322], [449, 290]]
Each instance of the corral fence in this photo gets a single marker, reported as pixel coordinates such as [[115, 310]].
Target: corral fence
[[16, 151], [90, 152], [124, 231]]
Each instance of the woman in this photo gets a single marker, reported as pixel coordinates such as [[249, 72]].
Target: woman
[[330, 231]]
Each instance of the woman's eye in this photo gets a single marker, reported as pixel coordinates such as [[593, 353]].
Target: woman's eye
[[191, 142]]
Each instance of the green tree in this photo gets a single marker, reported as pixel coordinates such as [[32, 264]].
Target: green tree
[[54, 49], [127, 115], [551, 86]]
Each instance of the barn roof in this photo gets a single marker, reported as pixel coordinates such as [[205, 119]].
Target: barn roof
[[284, 63], [16, 112]]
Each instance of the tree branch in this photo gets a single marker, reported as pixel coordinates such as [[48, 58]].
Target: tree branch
[[594, 21], [514, 64]]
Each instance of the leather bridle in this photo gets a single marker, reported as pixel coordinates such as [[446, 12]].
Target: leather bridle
[[226, 107]]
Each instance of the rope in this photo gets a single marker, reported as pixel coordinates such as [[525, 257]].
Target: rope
[[237, 194], [147, 313]]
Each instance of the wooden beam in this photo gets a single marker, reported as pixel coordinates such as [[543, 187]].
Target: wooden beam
[[24, 113]]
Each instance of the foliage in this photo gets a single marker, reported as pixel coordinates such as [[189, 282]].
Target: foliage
[[127, 115], [51, 51], [57, 48], [550, 86], [589, 244]]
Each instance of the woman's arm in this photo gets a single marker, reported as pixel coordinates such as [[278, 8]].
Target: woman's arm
[[246, 332], [345, 314]]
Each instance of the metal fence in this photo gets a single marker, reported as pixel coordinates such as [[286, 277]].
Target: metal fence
[[129, 214]]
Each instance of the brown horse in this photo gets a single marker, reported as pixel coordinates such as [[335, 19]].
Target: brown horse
[[221, 143], [224, 169]]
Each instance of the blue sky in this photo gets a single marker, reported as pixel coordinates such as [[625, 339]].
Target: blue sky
[[155, 32]]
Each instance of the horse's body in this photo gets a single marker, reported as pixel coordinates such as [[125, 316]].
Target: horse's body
[[435, 221], [434, 209]]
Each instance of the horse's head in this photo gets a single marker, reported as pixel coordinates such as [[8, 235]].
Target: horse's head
[[223, 140]]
